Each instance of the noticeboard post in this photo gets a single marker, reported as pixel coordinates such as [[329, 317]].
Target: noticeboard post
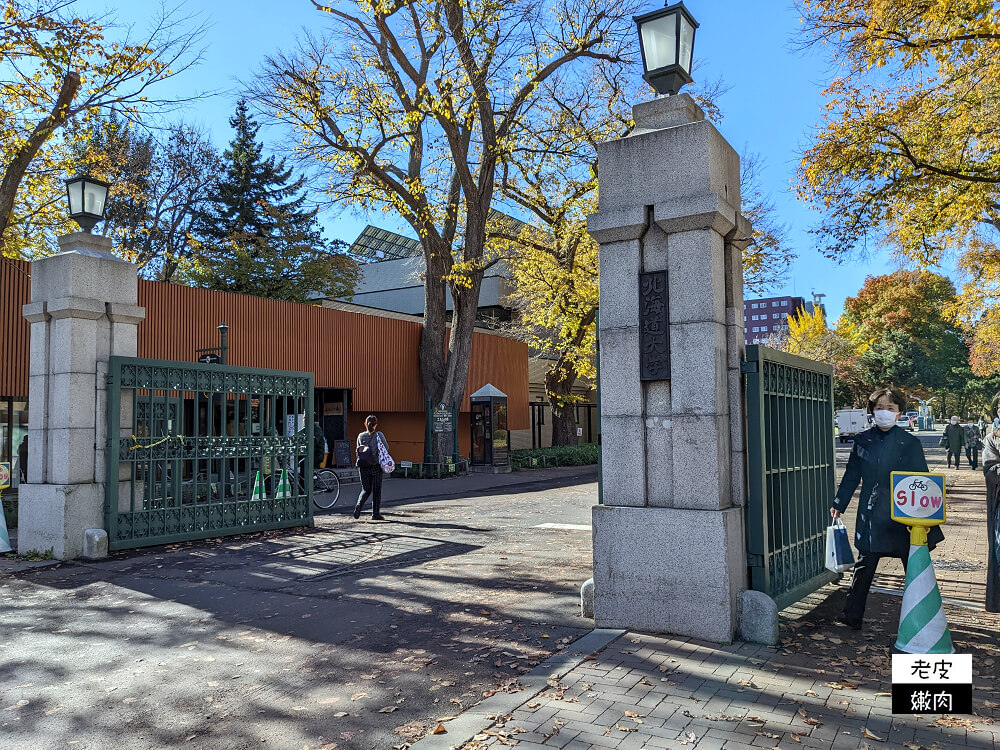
[[442, 418], [919, 500]]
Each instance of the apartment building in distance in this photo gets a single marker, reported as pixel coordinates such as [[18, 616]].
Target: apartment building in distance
[[769, 315]]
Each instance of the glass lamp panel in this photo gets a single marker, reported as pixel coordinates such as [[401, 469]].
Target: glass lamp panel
[[687, 45], [74, 191], [659, 41], [94, 197]]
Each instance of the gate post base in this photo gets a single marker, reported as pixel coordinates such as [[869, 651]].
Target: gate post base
[[54, 516], [668, 570]]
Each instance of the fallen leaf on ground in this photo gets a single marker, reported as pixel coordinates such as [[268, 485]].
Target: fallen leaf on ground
[[871, 735], [387, 710], [439, 729], [359, 696], [811, 722]]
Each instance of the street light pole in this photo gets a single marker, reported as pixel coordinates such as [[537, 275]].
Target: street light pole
[[223, 348]]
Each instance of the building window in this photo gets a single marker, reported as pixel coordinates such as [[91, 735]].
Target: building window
[[774, 304], [13, 431], [784, 303], [776, 316]]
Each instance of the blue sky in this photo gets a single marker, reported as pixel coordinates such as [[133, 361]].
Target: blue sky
[[773, 102]]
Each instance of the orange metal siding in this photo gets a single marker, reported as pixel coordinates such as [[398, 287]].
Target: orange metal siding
[[376, 356], [14, 330]]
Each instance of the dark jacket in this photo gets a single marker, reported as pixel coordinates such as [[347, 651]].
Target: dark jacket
[[872, 460], [954, 436]]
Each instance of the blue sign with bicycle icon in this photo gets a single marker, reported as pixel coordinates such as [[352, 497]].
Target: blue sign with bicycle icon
[[918, 498]]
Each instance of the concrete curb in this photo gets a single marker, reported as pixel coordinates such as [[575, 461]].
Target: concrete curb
[[481, 716]]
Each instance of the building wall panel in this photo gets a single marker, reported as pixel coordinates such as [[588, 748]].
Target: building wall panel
[[14, 292], [375, 356]]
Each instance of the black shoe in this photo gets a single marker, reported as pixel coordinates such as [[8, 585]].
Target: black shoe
[[850, 622], [378, 517], [357, 511]]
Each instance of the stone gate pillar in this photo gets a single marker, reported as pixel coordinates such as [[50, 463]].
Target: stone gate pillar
[[669, 540], [83, 309]]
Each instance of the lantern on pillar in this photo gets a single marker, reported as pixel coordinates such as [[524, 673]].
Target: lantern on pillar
[[666, 37], [87, 200]]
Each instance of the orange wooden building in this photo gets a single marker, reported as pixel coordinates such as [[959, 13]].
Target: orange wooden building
[[363, 361]]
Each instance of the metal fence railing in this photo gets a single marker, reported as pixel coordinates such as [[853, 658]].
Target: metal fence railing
[[204, 450], [790, 472]]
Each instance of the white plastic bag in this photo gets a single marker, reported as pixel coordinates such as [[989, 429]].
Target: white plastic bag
[[839, 556]]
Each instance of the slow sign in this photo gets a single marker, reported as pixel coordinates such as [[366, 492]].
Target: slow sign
[[918, 498]]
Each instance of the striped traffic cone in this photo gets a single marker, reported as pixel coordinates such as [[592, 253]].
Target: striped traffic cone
[[4, 536], [284, 489], [258, 489], [923, 627]]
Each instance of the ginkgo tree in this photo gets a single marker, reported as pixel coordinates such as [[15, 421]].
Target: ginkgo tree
[[908, 152], [412, 107], [58, 71]]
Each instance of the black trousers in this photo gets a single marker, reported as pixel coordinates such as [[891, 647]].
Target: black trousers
[[957, 453], [973, 455], [371, 486], [857, 596]]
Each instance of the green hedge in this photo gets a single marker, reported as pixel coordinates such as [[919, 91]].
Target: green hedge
[[566, 455]]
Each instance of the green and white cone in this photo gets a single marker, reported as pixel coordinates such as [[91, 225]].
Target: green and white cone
[[284, 489], [923, 627], [4, 536], [258, 489]]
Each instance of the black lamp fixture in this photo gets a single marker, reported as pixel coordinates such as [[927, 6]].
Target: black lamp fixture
[[87, 200], [666, 37]]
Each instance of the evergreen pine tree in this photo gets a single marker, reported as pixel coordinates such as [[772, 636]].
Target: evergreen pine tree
[[257, 236]]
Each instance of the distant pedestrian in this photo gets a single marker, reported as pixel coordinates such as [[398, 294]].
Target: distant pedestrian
[[954, 439], [973, 443], [368, 464], [991, 468], [22, 458], [878, 452]]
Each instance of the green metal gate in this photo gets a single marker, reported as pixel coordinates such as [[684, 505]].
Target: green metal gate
[[205, 450], [790, 472]]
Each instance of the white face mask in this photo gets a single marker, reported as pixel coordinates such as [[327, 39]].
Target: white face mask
[[954, 421], [885, 418]]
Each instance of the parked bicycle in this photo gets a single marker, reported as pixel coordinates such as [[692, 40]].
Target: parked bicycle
[[326, 485]]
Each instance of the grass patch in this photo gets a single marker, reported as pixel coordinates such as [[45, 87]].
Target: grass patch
[[32, 555], [584, 454]]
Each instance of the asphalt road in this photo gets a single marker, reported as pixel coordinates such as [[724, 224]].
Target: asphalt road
[[354, 634]]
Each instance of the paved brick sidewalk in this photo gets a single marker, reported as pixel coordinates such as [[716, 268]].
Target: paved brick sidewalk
[[824, 686], [649, 692]]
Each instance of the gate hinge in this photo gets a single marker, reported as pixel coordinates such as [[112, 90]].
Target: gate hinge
[[748, 367], [755, 561]]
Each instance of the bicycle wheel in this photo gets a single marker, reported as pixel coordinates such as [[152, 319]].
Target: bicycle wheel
[[326, 488]]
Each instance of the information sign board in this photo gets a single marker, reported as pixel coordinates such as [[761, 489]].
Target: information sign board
[[4, 475], [918, 498], [441, 418]]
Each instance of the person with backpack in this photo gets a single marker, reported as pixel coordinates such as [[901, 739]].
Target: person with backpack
[[367, 462]]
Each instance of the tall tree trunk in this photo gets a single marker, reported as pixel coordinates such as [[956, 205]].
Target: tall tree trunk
[[558, 387], [18, 166]]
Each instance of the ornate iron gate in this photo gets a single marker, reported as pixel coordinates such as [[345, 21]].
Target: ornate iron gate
[[205, 450], [790, 472]]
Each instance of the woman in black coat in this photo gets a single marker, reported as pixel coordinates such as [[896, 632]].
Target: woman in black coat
[[991, 468], [877, 453]]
